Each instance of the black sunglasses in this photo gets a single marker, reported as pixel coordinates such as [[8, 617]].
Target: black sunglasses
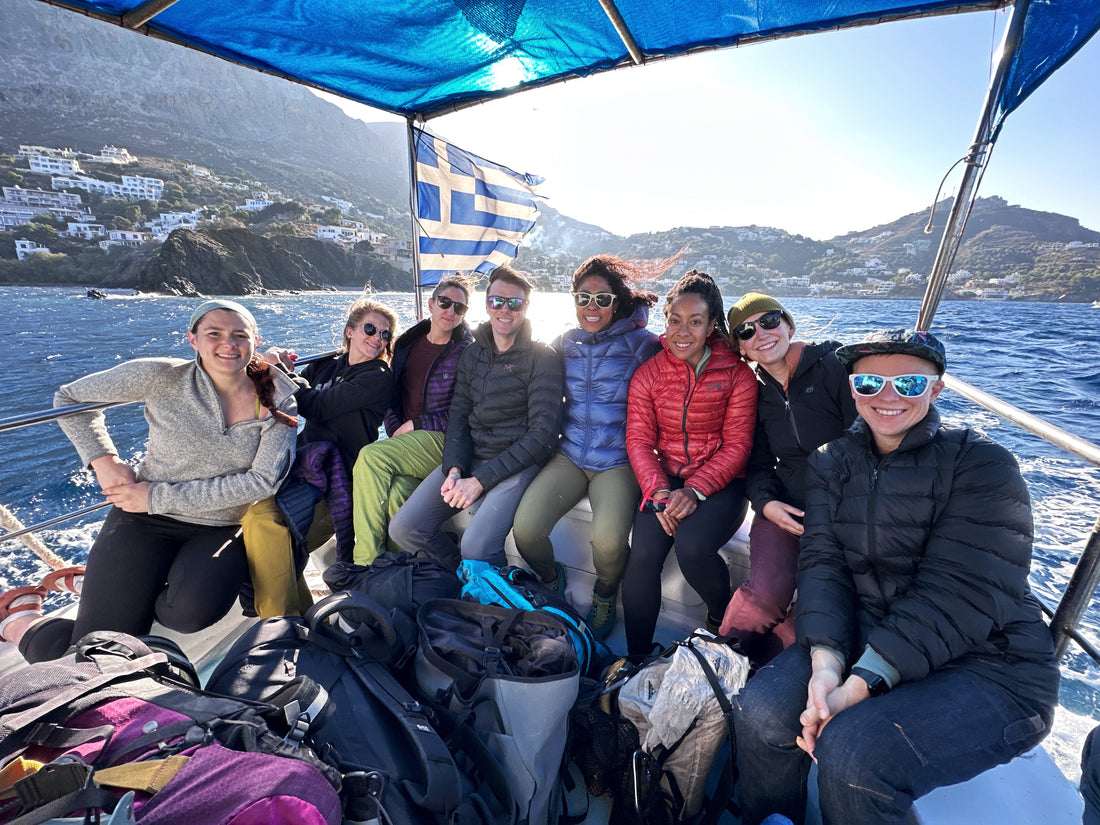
[[769, 320], [498, 302], [370, 329], [443, 302], [603, 299]]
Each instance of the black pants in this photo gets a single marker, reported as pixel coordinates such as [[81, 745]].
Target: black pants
[[141, 568], [697, 541]]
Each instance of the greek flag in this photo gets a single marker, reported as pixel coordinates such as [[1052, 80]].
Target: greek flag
[[472, 213]]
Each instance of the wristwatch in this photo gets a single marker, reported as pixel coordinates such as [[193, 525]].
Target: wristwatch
[[876, 684]]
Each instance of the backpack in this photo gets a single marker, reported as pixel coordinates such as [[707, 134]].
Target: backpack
[[679, 703], [401, 583], [398, 767], [121, 717], [513, 674], [518, 588]]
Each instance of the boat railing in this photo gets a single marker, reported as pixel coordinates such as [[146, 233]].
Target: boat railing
[[1065, 617]]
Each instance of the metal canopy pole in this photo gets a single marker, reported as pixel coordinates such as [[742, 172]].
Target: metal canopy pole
[[413, 212], [623, 30], [977, 157], [1078, 595], [141, 14]]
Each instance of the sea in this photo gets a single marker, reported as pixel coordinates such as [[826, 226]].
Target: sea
[[1040, 357]]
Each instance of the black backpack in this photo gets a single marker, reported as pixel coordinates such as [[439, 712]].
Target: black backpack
[[385, 741]]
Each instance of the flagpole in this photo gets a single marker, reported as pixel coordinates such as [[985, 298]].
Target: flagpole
[[413, 212]]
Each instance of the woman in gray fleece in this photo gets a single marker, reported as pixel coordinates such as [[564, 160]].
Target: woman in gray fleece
[[221, 436]]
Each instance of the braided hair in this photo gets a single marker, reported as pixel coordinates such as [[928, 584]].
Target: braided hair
[[701, 284]]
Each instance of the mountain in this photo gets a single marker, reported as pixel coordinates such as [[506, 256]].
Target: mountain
[[64, 86]]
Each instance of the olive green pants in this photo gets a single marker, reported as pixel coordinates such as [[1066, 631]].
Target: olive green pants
[[613, 495]]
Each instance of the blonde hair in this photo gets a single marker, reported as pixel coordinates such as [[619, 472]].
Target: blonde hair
[[362, 308]]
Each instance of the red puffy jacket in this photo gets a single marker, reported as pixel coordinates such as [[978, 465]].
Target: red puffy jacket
[[699, 429]]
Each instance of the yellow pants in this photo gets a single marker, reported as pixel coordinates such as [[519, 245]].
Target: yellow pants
[[268, 547]]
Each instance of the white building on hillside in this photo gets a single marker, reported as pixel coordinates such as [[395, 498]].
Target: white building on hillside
[[87, 231], [18, 196], [132, 188], [47, 165], [123, 237], [255, 204], [23, 248]]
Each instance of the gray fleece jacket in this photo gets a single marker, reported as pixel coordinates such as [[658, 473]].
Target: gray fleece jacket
[[199, 471]]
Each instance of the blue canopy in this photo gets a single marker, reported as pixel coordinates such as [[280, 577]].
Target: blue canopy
[[421, 58]]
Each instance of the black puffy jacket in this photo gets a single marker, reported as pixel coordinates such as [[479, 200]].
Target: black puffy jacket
[[817, 407], [924, 554], [506, 408]]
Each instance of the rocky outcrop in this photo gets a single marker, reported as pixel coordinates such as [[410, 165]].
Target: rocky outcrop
[[238, 262]]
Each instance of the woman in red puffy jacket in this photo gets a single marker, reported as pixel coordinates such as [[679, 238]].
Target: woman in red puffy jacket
[[689, 425]]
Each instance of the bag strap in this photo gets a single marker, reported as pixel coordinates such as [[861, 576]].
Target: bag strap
[[148, 777], [441, 791], [383, 638], [126, 668], [724, 790]]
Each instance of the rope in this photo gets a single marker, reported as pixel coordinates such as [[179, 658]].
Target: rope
[[12, 524]]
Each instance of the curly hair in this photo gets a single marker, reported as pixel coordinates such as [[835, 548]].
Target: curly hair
[[619, 275], [358, 310], [701, 284]]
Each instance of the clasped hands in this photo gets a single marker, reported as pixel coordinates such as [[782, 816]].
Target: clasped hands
[[119, 484], [827, 696], [679, 504], [460, 492]]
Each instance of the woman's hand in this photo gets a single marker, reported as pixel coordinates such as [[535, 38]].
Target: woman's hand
[[407, 427], [111, 471], [463, 492], [821, 700], [278, 355], [133, 498], [785, 516]]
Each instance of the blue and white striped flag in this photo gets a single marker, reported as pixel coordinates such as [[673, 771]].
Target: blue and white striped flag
[[472, 212]]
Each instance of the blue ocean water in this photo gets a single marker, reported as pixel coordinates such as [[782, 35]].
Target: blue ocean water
[[1040, 357]]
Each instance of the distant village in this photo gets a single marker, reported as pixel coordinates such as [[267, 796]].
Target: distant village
[[66, 169], [858, 271]]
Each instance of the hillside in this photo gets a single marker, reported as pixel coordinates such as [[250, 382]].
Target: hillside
[[259, 136]]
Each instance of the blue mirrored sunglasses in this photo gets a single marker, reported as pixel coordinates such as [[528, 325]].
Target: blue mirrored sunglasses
[[907, 386], [499, 301]]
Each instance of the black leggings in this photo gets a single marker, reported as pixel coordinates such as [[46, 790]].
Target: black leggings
[[141, 568], [697, 541]]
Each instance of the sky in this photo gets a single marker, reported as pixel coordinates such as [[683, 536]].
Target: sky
[[817, 135]]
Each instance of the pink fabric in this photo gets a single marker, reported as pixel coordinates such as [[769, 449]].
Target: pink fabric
[[280, 810], [758, 611]]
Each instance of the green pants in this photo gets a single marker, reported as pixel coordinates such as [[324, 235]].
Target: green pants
[[613, 495], [384, 476]]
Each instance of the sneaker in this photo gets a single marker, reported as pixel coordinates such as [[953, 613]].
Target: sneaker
[[601, 614], [712, 624], [558, 584]]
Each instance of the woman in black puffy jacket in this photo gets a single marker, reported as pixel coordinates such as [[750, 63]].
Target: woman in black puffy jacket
[[923, 659]]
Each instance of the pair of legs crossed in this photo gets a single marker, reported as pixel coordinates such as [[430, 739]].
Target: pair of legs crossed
[[876, 757], [697, 540], [760, 613], [143, 568], [613, 495], [385, 475], [417, 526]]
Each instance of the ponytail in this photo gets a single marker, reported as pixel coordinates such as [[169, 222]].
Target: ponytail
[[260, 373]]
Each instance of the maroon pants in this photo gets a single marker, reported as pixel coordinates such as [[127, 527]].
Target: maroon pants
[[760, 612]]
